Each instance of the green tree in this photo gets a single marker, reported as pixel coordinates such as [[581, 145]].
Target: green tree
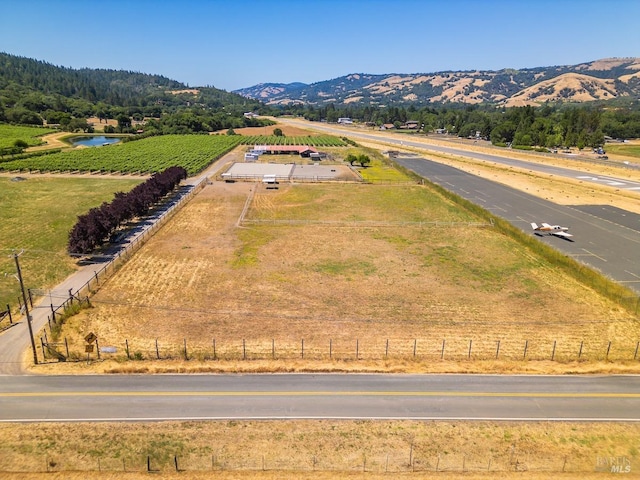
[[124, 122], [351, 158], [20, 144], [364, 160], [278, 132]]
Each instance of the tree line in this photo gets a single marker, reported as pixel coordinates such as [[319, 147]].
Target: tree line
[[528, 126], [100, 223]]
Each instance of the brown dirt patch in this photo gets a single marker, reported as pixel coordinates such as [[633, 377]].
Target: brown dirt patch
[[287, 130]]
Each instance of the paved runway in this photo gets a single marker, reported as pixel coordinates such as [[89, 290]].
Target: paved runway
[[606, 238], [316, 396]]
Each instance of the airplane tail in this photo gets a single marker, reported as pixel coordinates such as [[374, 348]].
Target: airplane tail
[[534, 225]]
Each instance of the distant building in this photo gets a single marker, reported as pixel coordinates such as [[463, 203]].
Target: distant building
[[345, 121], [250, 115], [302, 150], [387, 126]]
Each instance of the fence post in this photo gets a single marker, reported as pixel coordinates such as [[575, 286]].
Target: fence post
[[442, 353], [126, 346], [244, 349], [498, 350], [415, 347], [30, 297], [302, 348], [580, 352], [526, 344], [553, 352], [411, 454], [215, 355], [386, 349], [10, 317], [470, 343], [186, 354], [44, 353], [608, 350], [66, 347], [157, 350], [636, 352]]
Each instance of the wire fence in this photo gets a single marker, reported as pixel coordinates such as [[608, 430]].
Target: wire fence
[[411, 459], [149, 226], [400, 350]]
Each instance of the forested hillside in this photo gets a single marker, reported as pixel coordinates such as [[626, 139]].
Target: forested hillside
[[34, 92]]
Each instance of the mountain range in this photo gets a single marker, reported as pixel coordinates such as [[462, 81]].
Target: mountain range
[[599, 80]]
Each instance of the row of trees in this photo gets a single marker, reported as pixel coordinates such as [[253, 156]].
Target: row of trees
[[95, 227], [545, 126]]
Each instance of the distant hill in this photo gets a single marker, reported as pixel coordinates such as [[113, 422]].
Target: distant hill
[[21, 78], [34, 92], [605, 79]]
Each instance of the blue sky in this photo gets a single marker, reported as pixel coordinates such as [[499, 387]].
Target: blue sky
[[238, 43]]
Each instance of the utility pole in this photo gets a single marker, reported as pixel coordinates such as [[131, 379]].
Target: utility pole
[[26, 310]]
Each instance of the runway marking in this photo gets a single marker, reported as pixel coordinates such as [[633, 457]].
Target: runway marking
[[322, 394], [594, 255]]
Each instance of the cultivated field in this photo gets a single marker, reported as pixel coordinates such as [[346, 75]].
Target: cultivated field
[[321, 275], [31, 135], [149, 155]]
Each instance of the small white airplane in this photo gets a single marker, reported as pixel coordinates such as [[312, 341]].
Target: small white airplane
[[555, 230]]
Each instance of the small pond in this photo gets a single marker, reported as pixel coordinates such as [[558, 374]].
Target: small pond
[[94, 141]]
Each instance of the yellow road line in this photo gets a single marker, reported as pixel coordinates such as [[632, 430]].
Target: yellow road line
[[321, 394]]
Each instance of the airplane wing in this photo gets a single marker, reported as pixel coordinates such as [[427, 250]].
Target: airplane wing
[[561, 234], [546, 225]]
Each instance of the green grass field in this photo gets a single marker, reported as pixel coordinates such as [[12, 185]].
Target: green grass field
[[37, 215], [10, 133], [622, 149]]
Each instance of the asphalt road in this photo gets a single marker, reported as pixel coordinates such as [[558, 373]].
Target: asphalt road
[[402, 140], [308, 396], [606, 238]]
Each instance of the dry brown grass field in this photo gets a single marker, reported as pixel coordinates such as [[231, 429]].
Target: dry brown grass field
[[338, 293], [323, 449]]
